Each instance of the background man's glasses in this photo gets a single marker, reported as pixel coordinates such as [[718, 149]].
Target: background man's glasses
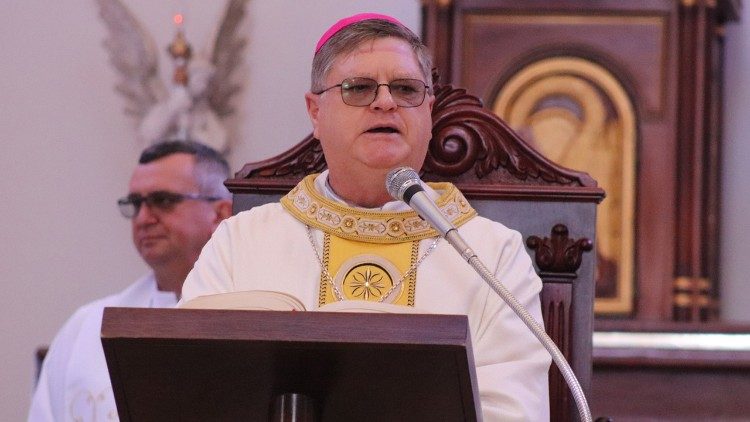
[[361, 92], [157, 201]]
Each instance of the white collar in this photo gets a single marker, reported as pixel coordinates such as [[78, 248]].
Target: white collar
[[324, 188]]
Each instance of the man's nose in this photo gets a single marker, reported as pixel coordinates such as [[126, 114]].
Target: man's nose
[[383, 98], [144, 214]]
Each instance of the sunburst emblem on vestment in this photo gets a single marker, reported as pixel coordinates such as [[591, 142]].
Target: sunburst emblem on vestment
[[367, 282]]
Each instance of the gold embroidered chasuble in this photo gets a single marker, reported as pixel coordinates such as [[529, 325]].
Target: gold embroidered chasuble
[[369, 254]]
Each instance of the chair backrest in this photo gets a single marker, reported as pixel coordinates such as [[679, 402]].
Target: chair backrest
[[507, 181]]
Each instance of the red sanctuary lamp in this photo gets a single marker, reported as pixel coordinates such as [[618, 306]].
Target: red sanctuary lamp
[[180, 51]]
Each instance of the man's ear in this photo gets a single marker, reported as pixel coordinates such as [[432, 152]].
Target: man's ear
[[313, 108], [430, 101], [223, 209]]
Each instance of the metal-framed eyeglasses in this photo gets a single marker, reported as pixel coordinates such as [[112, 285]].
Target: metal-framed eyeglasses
[[361, 92], [160, 201]]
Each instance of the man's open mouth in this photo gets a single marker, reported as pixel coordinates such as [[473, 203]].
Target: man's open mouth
[[383, 129]]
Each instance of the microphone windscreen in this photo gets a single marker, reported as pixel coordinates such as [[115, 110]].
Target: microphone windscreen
[[399, 180]]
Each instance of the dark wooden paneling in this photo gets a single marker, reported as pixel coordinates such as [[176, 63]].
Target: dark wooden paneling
[[668, 56], [661, 382], [671, 394]]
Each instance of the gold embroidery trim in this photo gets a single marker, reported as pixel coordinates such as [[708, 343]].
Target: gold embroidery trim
[[313, 209], [412, 280], [323, 292]]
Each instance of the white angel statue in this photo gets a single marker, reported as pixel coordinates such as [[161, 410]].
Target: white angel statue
[[181, 111]]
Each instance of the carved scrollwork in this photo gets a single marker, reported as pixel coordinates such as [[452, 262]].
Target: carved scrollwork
[[466, 135], [559, 253], [454, 147], [305, 158]]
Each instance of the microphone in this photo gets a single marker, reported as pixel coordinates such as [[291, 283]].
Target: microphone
[[403, 184]]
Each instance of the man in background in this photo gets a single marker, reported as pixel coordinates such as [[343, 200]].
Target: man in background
[[176, 198]]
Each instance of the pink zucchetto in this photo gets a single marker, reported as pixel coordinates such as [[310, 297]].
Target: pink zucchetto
[[343, 23]]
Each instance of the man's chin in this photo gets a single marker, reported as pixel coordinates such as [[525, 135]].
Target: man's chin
[[152, 255], [385, 162], [389, 158]]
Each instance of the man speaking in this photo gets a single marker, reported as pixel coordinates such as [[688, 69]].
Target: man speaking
[[339, 235]]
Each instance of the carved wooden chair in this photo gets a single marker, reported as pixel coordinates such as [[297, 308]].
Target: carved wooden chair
[[507, 181]]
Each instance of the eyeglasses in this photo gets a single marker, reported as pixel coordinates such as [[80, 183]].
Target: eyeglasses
[[361, 92], [162, 201]]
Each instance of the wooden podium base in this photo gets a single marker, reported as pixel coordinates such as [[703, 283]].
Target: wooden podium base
[[293, 407]]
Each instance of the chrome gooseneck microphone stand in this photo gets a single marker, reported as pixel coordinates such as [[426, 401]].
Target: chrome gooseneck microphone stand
[[404, 184]]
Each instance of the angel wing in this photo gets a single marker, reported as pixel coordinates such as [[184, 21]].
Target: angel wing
[[133, 52], [226, 55]]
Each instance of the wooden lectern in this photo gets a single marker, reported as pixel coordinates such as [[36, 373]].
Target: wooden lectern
[[217, 365]]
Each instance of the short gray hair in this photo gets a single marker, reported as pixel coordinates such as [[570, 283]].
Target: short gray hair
[[349, 38]]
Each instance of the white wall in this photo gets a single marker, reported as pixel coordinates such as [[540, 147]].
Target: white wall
[[735, 202], [68, 150]]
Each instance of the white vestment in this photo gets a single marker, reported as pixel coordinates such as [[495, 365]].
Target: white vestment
[[74, 382], [266, 248]]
